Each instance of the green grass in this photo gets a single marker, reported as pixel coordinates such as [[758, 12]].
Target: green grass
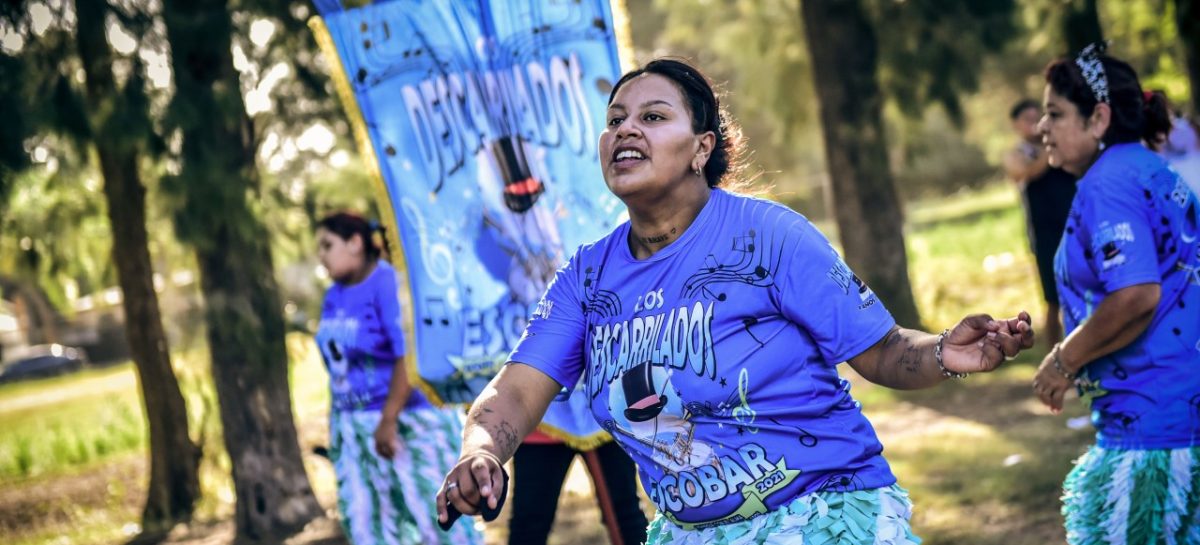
[[982, 460], [68, 422], [76, 444], [970, 254]]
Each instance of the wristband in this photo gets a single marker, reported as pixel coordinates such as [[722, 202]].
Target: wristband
[[1058, 364], [937, 355]]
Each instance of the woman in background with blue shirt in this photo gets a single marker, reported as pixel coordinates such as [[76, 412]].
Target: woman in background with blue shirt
[[388, 444], [1128, 274], [707, 331]]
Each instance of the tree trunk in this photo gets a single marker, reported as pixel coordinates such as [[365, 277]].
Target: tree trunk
[[174, 458], [842, 44], [1080, 25], [36, 315], [1187, 20], [242, 306]]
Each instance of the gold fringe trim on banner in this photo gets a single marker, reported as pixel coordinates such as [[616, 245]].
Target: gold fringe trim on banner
[[584, 443]]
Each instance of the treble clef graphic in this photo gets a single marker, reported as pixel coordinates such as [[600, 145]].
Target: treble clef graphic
[[742, 413], [436, 257]]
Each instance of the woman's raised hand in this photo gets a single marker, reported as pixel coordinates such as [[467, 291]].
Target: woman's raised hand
[[980, 343], [476, 483]]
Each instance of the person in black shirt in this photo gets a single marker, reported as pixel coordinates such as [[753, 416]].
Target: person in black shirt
[[1046, 194]]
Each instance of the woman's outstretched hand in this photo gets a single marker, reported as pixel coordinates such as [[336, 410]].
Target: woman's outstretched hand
[[980, 343], [474, 484], [1050, 385]]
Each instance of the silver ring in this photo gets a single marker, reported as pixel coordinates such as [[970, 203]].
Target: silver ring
[[451, 486]]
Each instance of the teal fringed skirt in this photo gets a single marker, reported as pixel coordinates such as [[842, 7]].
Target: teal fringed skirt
[[862, 517], [392, 502], [1135, 497]]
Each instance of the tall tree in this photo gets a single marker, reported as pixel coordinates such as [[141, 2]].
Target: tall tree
[[13, 156], [119, 127], [1080, 24], [1187, 19], [34, 310], [842, 44], [217, 179], [918, 53]]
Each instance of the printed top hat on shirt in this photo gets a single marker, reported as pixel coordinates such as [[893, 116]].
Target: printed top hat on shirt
[[644, 401]]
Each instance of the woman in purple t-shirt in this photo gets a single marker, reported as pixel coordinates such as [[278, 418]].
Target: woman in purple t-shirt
[[707, 331], [1128, 272], [386, 439]]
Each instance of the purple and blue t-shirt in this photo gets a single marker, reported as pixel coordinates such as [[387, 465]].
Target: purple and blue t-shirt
[[361, 337], [1134, 221], [714, 361]]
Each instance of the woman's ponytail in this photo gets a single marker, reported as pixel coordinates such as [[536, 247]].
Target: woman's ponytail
[[1157, 116]]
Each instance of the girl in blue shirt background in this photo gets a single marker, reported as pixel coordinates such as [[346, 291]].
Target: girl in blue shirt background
[[1128, 275], [388, 444]]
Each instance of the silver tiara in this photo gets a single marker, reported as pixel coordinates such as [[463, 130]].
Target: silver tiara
[[1089, 63]]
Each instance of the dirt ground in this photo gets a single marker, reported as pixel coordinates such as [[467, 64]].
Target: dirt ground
[[45, 506], [42, 505]]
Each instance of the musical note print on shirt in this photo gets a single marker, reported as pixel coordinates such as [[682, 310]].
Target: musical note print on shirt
[[755, 266]]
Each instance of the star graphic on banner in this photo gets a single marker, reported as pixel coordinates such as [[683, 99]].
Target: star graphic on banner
[[723, 381]]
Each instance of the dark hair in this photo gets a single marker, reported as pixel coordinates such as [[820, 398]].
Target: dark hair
[[1133, 118], [347, 224], [705, 108], [1157, 105], [1020, 107]]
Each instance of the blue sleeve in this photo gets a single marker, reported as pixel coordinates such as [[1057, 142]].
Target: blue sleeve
[[1119, 236], [819, 292], [390, 318], [553, 339]]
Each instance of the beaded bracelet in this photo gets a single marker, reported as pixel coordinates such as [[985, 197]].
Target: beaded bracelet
[[937, 355], [1058, 365]]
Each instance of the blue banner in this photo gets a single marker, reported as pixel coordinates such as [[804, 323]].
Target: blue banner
[[483, 119]]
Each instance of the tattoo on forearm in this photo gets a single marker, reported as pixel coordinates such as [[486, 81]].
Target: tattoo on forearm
[[504, 433], [910, 358], [907, 355], [506, 437]]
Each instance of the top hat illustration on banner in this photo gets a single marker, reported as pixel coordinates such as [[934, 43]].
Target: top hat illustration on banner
[[644, 401], [521, 188]]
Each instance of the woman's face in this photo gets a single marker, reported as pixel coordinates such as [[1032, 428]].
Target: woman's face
[[341, 257], [1070, 139], [648, 146]]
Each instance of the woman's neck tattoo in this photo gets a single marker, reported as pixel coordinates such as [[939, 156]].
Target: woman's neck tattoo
[[656, 239]]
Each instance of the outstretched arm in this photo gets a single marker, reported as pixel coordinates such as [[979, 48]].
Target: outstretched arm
[[905, 359], [1119, 319], [503, 414]]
